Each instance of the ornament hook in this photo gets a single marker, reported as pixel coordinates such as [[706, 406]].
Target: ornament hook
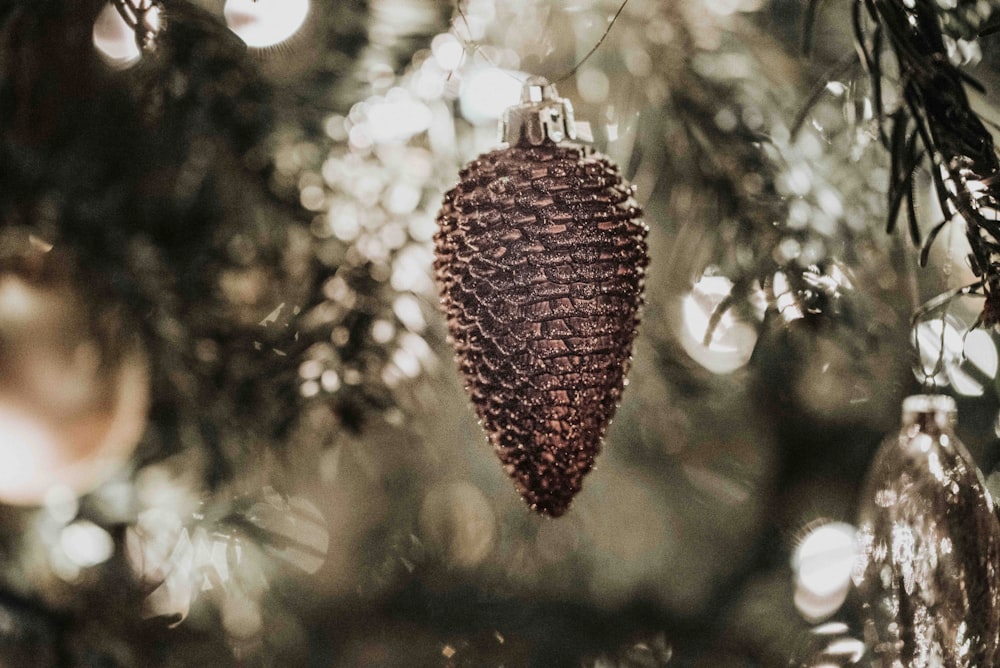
[[143, 17], [541, 116]]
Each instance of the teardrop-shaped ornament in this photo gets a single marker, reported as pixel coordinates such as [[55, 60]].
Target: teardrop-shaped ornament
[[540, 263], [930, 547]]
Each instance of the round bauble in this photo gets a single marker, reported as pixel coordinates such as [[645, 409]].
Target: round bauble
[[74, 387]]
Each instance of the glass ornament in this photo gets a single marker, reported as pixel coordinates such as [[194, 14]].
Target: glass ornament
[[74, 388], [930, 547]]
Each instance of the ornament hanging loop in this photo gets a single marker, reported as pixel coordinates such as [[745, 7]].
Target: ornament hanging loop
[[143, 17], [541, 116], [930, 412]]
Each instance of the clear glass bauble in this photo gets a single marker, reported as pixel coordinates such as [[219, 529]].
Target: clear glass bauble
[[930, 547]]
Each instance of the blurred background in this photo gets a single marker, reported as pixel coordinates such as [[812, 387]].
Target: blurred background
[[232, 430]]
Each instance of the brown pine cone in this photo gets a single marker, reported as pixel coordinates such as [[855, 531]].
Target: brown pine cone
[[541, 259]]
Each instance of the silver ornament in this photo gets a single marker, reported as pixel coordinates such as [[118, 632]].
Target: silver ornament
[[930, 547]]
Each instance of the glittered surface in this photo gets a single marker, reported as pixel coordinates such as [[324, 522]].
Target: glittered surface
[[540, 263], [930, 547]]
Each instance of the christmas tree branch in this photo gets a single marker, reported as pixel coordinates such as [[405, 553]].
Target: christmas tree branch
[[753, 215], [963, 159]]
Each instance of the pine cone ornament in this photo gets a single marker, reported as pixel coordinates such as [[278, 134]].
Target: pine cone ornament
[[541, 259]]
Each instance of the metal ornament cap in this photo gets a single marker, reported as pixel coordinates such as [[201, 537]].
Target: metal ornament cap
[[929, 412], [541, 116]]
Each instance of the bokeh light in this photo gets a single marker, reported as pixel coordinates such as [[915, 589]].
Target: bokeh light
[[86, 544], [264, 23], [830, 645], [458, 520], [301, 537], [978, 366], [938, 344], [732, 341], [25, 455], [114, 39], [823, 563], [487, 92], [952, 354], [448, 51], [394, 118], [183, 560]]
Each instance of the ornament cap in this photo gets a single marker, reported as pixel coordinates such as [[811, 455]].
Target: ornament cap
[[541, 116], [926, 410]]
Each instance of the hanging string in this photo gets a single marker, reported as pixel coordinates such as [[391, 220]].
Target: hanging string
[[946, 274], [919, 311], [469, 43], [941, 302], [136, 14], [476, 47], [595, 47]]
